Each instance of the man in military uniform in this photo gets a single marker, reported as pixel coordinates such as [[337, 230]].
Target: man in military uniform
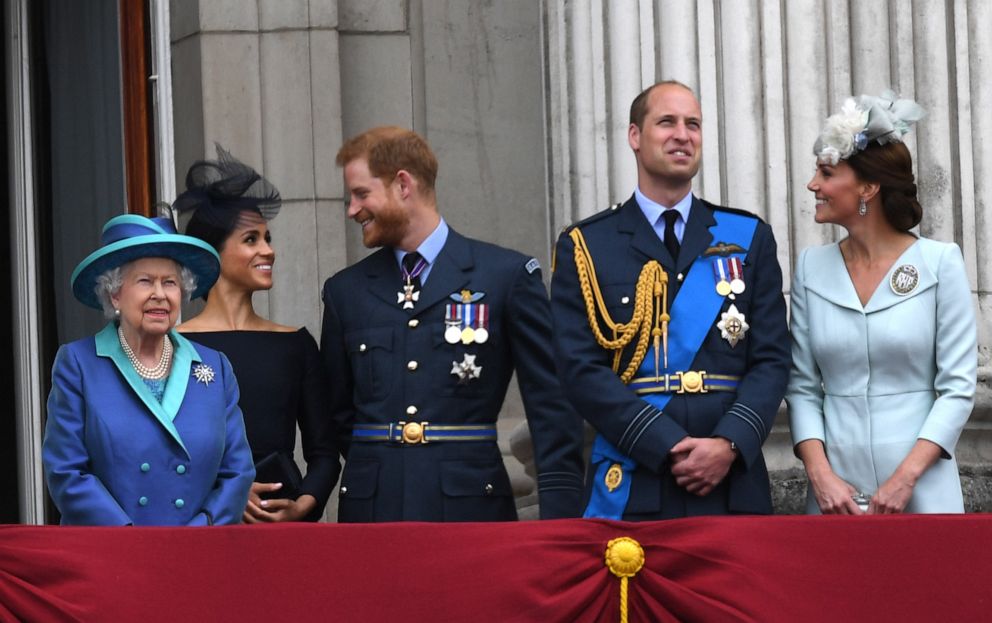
[[420, 340], [670, 333]]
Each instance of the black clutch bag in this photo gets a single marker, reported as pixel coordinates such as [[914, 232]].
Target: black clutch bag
[[277, 467]]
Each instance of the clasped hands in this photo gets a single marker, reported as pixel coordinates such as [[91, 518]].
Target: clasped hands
[[835, 496], [699, 464], [275, 510]]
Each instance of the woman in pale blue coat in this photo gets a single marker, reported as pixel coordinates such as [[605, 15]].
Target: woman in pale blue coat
[[143, 426], [884, 337]]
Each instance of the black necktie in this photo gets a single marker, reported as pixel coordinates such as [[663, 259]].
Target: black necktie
[[671, 240], [410, 261]]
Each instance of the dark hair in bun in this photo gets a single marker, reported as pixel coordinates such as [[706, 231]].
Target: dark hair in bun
[[891, 167]]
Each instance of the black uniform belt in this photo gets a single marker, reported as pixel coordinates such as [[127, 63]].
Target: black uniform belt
[[688, 382], [423, 432]]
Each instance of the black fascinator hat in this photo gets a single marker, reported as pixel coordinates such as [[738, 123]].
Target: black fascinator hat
[[222, 194]]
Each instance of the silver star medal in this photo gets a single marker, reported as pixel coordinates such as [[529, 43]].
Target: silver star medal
[[203, 373], [408, 296], [732, 325], [466, 370]]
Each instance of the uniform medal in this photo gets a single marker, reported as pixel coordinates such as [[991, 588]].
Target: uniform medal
[[482, 321], [466, 370], [614, 476], [410, 294], [453, 323], [732, 325], [467, 320], [736, 275], [720, 274]]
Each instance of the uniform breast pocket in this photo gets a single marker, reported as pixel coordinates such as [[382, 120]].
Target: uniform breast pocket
[[371, 354], [619, 300], [458, 365]]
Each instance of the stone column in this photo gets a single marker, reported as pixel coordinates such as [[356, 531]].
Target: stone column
[[262, 78], [767, 74]]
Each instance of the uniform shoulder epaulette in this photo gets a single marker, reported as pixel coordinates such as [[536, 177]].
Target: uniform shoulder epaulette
[[734, 211], [613, 209]]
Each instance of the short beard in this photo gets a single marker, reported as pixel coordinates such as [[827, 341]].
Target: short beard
[[390, 224]]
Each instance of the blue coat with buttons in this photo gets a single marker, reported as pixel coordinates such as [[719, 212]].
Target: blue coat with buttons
[[113, 455], [620, 241], [387, 364]]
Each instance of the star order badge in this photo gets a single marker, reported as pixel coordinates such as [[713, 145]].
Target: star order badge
[[732, 325], [203, 373], [466, 370]]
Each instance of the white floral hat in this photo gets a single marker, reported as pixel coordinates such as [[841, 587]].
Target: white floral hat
[[867, 118]]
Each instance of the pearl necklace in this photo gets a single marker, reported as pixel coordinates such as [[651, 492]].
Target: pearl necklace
[[158, 372]]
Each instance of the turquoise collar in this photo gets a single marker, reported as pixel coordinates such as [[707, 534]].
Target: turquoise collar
[[184, 355]]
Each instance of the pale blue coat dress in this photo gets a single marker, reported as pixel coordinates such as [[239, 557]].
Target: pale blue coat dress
[[869, 381]]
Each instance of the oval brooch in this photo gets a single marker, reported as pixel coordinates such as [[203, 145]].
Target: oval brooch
[[904, 279]]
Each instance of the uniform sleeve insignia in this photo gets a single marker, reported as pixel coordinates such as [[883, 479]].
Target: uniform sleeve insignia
[[723, 249], [532, 265]]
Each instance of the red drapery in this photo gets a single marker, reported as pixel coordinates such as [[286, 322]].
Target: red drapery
[[897, 568]]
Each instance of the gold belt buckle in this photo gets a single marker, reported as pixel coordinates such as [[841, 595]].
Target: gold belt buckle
[[691, 382], [413, 432]]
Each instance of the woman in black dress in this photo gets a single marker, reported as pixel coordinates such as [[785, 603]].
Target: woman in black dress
[[278, 368]]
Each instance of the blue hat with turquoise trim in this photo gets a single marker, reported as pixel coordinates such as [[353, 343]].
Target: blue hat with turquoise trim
[[130, 237]]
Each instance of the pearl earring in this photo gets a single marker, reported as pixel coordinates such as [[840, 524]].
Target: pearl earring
[[863, 207]]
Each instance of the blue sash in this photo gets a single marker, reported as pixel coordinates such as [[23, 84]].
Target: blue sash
[[697, 299]]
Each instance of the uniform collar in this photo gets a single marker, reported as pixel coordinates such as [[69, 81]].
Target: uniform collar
[[431, 247], [652, 210]]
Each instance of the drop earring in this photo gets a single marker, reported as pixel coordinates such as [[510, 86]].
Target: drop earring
[[863, 207]]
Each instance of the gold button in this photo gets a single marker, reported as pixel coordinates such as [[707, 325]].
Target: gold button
[[411, 366], [411, 410], [413, 323], [625, 300], [680, 276], [362, 348]]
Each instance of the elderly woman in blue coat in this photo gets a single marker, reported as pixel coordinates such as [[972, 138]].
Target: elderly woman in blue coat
[[144, 426], [884, 339]]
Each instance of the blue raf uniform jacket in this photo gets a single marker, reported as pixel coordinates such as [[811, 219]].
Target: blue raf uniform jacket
[[113, 455], [620, 241], [388, 365]]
